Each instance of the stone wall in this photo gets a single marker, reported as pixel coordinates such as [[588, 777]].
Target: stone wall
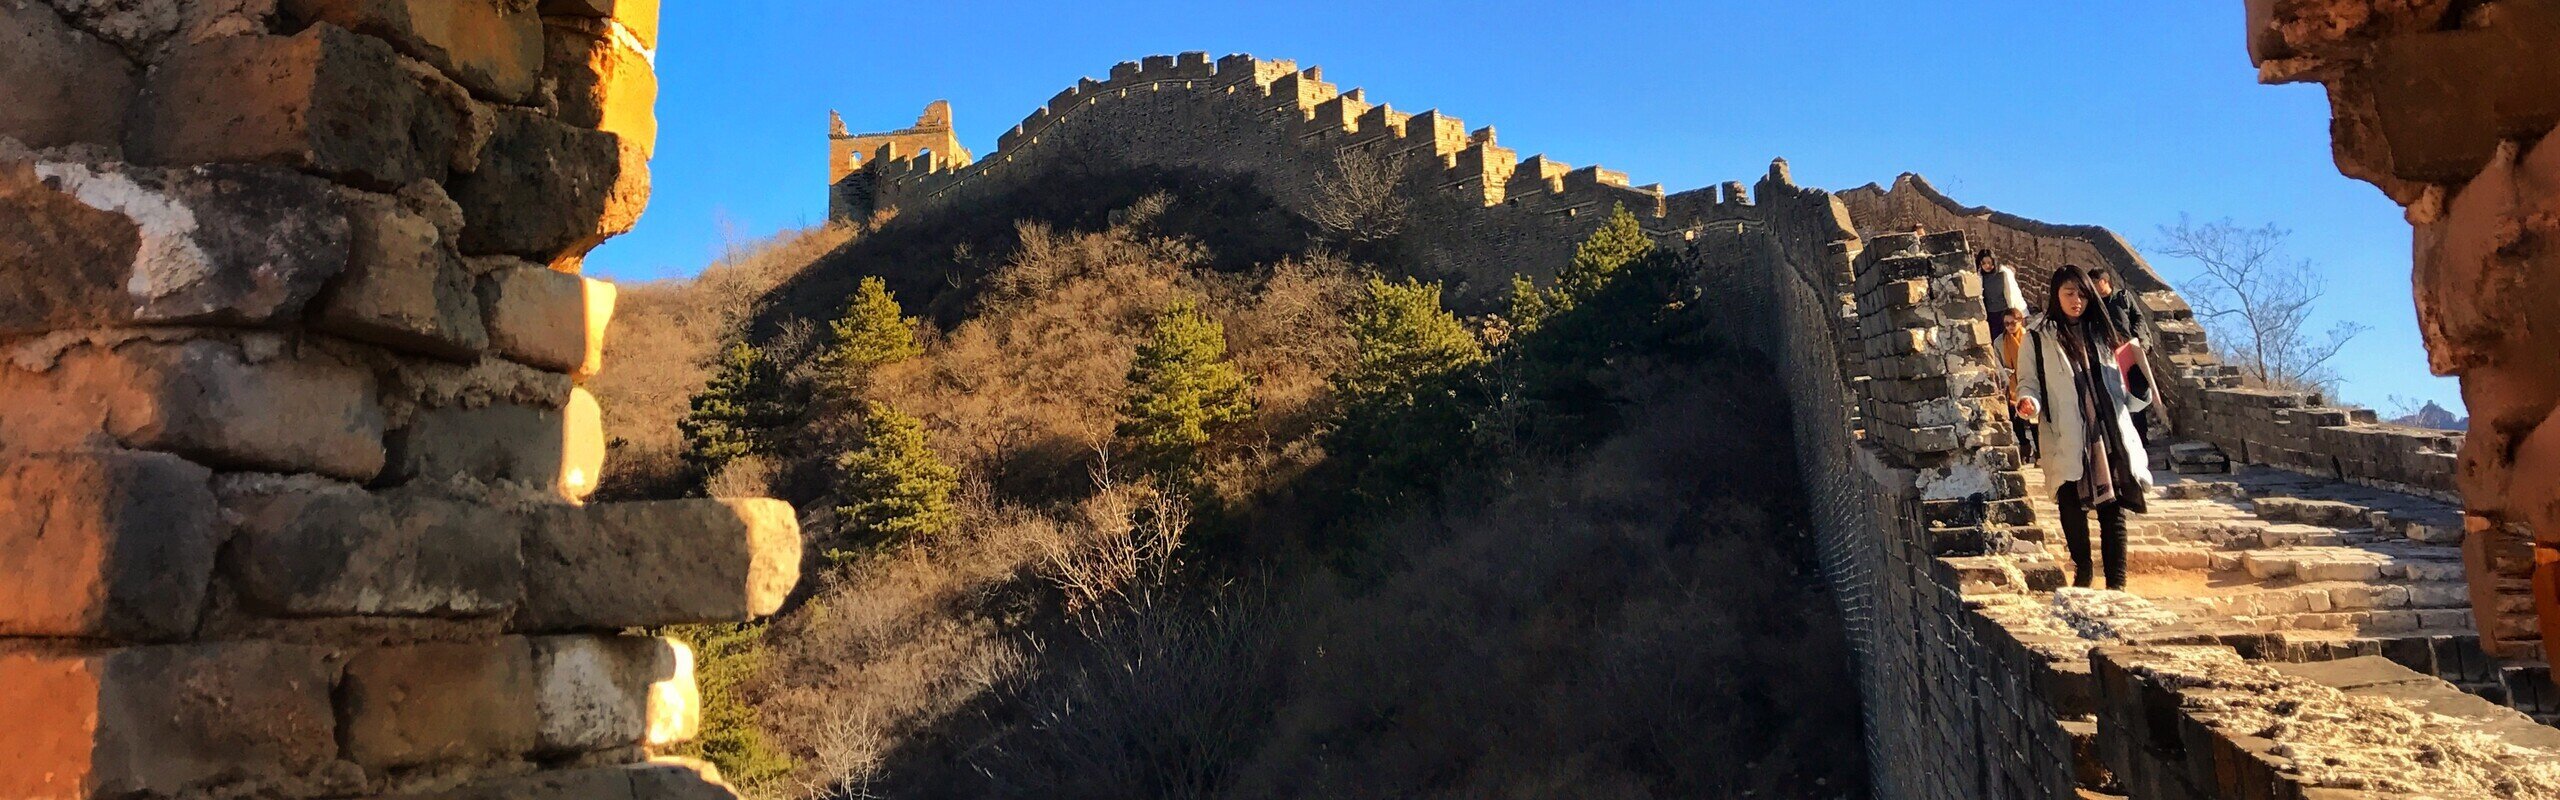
[[2205, 399], [2450, 109], [294, 451], [1978, 681], [1480, 213]]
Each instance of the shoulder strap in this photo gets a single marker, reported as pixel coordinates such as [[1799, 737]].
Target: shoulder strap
[[2044, 385]]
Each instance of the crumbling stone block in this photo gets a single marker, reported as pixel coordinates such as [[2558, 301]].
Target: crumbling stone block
[[558, 449], [464, 702], [597, 783], [324, 100], [640, 17], [248, 405], [661, 778], [602, 692], [619, 565], [311, 547], [545, 190], [404, 288], [64, 86], [672, 778], [106, 544], [493, 47], [601, 79], [553, 320], [106, 244], [217, 719]]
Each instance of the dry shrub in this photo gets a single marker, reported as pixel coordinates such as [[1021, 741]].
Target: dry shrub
[[1642, 623], [665, 335], [1124, 542], [1638, 623], [900, 655], [747, 476], [1025, 391]]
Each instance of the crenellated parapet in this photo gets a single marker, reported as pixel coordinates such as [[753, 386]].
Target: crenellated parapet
[[1285, 124]]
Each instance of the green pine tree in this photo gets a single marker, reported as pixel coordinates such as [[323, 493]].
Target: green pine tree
[[727, 657], [735, 413], [1407, 344], [1619, 242], [1528, 304], [872, 332], [1403, 419], [1181, 390], [894, 487]]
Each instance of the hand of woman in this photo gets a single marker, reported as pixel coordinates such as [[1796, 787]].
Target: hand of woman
[[2027, 408]]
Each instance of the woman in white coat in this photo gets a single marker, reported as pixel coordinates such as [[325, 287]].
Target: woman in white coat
[[2091, 454]]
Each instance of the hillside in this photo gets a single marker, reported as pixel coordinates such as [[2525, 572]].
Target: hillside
[[1533, 570]]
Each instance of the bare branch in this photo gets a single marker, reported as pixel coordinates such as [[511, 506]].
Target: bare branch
[[2257, 302], [1361, 196]]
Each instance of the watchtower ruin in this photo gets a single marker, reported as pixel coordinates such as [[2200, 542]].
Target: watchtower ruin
[[930, 141]]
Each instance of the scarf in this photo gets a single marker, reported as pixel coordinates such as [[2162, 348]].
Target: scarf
[[2103, 464]]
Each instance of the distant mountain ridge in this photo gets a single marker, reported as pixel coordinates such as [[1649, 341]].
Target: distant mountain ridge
[[2433, 416]]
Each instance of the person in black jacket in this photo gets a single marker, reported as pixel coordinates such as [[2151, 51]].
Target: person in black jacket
[[2122, 310], [2125, 313]]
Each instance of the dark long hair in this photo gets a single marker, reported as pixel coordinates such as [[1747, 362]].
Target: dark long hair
[[2092, 324]]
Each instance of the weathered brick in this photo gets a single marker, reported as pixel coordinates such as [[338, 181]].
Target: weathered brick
[[617, 565], [661, 778], [559, 449], [405, 288], [594, 783], [492, 47], [64, 86], [548, 191], [324, 100], [223, 719], [602, 80], [105, 544], [465, 702], [640, 17], [312, 547], [258, 405], [602, 692], [671, 778], [548, 319], [92, 246]]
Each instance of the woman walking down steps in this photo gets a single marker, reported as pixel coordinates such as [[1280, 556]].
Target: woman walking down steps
[[2090, 452]]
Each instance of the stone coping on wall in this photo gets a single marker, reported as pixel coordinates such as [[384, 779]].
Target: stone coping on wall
[[1323, 120]]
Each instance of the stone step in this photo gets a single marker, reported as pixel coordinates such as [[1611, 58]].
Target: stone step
[[2331, 513], [2313, 563], [2201, 490], [2340, 596], [2390, 623]]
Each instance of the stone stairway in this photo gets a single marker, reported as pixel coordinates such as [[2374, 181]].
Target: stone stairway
[[2286, 567]]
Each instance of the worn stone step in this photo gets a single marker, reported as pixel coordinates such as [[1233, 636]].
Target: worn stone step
[[2395, 622], [2330, 513]]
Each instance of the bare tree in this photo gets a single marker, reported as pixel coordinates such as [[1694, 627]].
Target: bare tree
[[1360, 197], [2256, 301]]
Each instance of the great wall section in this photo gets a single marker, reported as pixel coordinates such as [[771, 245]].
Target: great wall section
[[296, 451]]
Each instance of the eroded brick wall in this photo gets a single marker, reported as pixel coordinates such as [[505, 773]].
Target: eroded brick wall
[[2450, 109], [2205, 400], [293, 451]]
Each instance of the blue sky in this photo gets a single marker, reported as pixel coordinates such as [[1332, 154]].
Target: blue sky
[[2118, 114]]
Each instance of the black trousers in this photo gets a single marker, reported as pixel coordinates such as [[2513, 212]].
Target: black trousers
[[2075, 535]]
